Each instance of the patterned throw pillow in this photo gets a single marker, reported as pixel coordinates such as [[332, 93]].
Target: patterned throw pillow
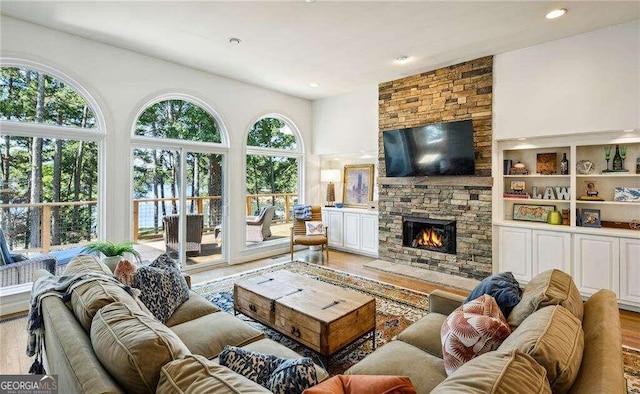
[[162, 287], [474, 328], [314, 228], [280, 375], [125, 272]]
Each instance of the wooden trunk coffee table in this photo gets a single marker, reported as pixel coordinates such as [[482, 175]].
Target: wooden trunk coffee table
[[321, 316]]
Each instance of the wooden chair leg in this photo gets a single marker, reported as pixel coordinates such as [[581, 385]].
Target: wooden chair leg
[[291, 251], [327, 247]]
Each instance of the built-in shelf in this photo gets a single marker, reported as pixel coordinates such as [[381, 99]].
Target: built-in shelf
[[608, 202], [537, 176], [609, 175], [482, 181], [536, 200]]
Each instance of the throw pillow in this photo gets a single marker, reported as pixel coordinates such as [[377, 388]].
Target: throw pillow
[[354, 384], [552, 287], [125, 271], [162, 287], [314, 228], [280, 375], [474, 328], [501, 286]]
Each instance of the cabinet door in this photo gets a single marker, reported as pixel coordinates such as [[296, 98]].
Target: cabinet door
[[351, 230], [596, 263], [369, 234], [630, 270], [514, 252], [551, 249], [333, 221]]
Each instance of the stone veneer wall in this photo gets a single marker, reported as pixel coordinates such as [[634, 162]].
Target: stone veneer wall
[[459, 92]]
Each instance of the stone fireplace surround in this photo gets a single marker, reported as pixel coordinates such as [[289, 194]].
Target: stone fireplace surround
[[462, 91]]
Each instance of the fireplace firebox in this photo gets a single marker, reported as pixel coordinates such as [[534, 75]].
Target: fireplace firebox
[[430, 234]]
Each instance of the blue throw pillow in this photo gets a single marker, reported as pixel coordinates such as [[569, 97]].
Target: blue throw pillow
[[501, 286]]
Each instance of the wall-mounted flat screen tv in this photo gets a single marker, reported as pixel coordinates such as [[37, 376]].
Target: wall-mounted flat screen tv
[[430, 150]]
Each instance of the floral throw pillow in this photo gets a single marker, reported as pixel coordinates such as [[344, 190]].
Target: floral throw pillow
[[474, 328], [314, 228]]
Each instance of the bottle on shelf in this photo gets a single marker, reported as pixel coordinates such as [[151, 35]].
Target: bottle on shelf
[[564, 165], [617, 160]]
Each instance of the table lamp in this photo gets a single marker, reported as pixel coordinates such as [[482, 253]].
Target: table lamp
[[330, 175]]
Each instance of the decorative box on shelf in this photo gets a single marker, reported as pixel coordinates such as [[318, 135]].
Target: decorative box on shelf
[[627, 194]]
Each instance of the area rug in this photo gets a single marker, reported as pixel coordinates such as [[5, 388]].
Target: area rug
[[396, 308]]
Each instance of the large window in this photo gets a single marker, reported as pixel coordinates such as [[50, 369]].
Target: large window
[[273, 178], [180, 140], [49, 170]]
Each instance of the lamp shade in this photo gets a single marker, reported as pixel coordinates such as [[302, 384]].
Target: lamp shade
[[330, 175]]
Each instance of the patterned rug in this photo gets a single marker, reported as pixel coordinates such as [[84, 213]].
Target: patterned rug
[[396, 308]]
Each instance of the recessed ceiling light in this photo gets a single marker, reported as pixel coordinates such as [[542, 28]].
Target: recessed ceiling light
[[314, 85], [402, 59], [309, 1], [627, 130], [522, 139], [235, 40], [556, 13]]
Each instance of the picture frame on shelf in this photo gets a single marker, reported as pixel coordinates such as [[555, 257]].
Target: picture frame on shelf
[[357, 186], [532, 213], [626, 194], [547, 163], [590, 218]]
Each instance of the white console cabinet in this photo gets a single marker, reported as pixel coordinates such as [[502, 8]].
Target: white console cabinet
[[352, 230]]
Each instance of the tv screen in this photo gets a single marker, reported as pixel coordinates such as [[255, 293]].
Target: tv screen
[[431, 150]]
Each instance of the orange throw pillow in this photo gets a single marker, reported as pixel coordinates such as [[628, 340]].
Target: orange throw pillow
[[364, 384]]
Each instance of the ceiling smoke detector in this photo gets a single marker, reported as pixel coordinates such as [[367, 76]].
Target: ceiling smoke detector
[[314, 85], [402, 59], [556, 13], [235, 40]]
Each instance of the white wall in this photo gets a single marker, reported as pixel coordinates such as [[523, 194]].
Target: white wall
[[123, 81], [585, 83]]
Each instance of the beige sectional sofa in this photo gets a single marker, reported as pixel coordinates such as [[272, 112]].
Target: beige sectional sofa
[[197, 327], [539, 352]]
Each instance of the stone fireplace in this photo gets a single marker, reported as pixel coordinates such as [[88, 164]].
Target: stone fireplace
[[429, 234], [459, 92]]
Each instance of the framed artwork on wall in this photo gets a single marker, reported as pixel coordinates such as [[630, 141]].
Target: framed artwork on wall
[[357, 186]]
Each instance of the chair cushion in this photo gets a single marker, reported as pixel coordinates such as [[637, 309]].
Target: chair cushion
[[162, 287], [194, 374], [196, 306], [309, 239], [554, 338], [280, 375], [552, 287], [133, 346], [354, 384], [501, 286], [512, 372], [474, 328], [84, 263]]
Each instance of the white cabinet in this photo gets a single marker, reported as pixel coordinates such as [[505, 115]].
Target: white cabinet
[[551, 249], [352, 230], [514, 252], [630, 270], [596, 263]]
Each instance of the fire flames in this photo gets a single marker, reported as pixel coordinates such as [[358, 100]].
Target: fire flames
[[430, 238]]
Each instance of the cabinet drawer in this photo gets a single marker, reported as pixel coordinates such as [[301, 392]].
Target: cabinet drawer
[[298, 333], [253, 305]]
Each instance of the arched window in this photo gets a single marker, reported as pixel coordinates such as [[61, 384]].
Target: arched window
[[49, 170], [273, 176], [173, 138]]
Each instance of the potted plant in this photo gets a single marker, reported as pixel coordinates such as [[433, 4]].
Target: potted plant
[[113, 252]]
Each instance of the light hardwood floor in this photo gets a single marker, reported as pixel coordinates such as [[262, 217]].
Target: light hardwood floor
[[13, 335]]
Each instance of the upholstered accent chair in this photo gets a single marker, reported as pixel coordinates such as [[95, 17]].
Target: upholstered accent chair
[[259, 227], [16, 269], [171, 225], [299, 233]]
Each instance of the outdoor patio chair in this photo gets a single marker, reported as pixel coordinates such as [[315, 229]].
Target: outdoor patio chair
[[171, 225], [17, 269], [259, 227], [299, 232]]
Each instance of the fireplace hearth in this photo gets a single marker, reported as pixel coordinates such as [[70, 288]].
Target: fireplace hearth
[[429, 234]]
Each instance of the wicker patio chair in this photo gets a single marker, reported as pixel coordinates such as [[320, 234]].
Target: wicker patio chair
[[259, 227], [299, 231], [17, 269], [171, 225]]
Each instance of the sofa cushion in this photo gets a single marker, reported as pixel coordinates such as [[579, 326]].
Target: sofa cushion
[[474, 328], [195, 374], [512, 372], [84, 263], [133, 346], [162, 287], [401, 359], [501, 286], [354, 384], [214, 332], [425, 334], [552, 287], [196, 306], [554, 338], [279, 375], [88, 298]]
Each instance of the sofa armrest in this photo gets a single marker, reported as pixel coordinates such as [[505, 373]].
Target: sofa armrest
[[187, 278], [444, 303]]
